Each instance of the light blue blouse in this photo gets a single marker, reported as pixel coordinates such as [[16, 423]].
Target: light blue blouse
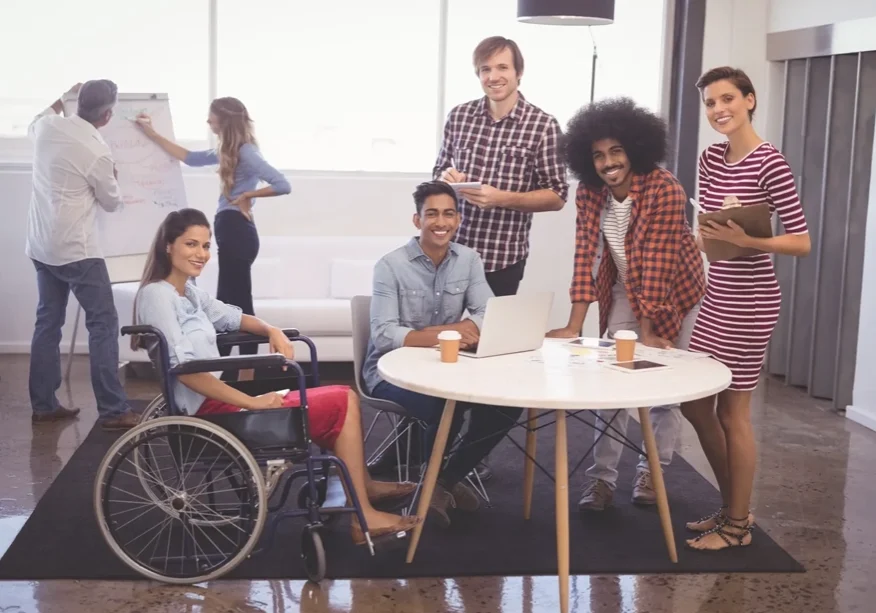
[[251, 168], [189, 323]]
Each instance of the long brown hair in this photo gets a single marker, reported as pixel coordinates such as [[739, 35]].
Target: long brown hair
[[235, 129], [158, 265]]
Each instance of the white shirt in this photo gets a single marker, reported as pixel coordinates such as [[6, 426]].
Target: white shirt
[[615, 224], [72, 176]]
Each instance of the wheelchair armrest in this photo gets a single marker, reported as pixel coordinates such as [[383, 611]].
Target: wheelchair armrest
[[238, 339], [127, 330], [231, 362]]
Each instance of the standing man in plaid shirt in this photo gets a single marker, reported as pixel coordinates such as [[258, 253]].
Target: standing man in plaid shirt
[[512, 148], [636, 255]]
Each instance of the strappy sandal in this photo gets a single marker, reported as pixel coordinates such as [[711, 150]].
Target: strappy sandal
[[405, 524], [732, 531], [718, 517]]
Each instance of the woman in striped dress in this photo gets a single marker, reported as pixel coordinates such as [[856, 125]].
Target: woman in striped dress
[[742, 301]]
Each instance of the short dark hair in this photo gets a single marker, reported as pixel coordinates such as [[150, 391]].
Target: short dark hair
[[96, 98], [736, 76], [492, 45], [432, 188], [640, 132]]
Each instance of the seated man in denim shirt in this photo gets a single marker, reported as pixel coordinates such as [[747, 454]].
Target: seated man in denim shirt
[[419, 290]]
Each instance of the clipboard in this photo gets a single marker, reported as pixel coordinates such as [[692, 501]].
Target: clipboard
[[753, 218]]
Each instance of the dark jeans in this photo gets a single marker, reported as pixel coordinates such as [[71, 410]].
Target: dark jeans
[[89, 281], [237, 242], [505, 282], [487, 426]]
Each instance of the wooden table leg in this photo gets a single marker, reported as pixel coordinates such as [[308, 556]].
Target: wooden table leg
[[562, 502], [431, 474], [528, 464], [657, 480]]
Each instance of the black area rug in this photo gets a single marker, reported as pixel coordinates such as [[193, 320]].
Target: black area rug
[[61, 539]]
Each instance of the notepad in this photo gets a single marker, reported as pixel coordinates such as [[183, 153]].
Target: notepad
[[753, 218]]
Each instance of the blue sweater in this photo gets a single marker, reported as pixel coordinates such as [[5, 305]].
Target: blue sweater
[[251, 168]]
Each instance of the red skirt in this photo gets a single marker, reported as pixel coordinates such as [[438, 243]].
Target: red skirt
[[326, 413]]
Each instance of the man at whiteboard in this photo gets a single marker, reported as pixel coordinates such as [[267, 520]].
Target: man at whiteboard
[[73, 174]]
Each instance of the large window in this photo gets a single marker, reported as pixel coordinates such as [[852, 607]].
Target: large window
[[342, 85], [558, 58], [48, 45]]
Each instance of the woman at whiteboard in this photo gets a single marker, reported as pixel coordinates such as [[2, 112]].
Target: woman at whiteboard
[[241, 168]]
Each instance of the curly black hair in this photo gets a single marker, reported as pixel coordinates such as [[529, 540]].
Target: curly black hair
[[642, 134]]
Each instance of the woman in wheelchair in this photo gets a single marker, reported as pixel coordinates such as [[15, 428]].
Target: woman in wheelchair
[[189, 318]]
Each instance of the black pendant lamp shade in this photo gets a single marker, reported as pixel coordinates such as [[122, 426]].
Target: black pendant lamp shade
[[566, 12]]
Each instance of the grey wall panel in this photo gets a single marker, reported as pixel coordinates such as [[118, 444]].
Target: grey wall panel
[[837, 161], [859, 194], [685, 104], [803, 289], [792, 147]]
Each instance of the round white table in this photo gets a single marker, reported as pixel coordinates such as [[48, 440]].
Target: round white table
[[552, 378]]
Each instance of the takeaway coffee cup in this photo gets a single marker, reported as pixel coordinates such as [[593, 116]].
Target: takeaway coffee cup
[[625, 345], [449, 340]]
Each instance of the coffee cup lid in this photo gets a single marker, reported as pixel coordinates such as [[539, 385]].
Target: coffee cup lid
[[449, 335], [625, 335]]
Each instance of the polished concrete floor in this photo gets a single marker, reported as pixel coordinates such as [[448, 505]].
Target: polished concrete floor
[[815, 494]]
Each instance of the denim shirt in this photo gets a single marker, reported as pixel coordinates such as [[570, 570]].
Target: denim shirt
[[410, 293], [251, 168], [189, 323]]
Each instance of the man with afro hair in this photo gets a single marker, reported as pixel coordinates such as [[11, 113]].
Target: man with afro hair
[[636, 256]]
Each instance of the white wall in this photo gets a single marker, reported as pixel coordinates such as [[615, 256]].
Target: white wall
[[735, 35], [863, 409], [348, 204], [796, 14]]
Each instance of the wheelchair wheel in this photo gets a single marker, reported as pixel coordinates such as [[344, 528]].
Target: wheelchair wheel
[[313, 554], [180, 500], [155, 409]]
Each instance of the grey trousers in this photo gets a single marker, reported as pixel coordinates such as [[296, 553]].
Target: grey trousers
[[666, 419]]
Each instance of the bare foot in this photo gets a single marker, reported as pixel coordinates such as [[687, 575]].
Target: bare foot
[[384, 490], [727, 535], [378, 520]]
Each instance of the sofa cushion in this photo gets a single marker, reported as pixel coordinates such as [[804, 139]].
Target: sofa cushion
[[312, 316], [351, 278]]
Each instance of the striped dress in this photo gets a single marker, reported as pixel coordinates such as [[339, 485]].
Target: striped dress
[[742, 301]]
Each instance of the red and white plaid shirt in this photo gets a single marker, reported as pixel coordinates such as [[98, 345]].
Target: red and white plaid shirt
[[518, 153]]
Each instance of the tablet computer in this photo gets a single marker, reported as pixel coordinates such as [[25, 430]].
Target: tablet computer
[[637, 366], [591, 343], [468, 185]]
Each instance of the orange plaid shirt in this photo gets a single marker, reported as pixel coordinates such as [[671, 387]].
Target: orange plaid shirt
[[665, 277]]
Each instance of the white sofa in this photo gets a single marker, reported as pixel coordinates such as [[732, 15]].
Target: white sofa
[[303, 282]]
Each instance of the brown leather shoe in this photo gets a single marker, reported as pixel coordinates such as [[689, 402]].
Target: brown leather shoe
[[125, 421], [58, 414]]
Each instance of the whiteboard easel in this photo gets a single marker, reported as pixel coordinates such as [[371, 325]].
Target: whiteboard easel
[[151, 185]]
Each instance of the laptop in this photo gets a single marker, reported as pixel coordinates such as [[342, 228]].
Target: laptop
[[513, 324]]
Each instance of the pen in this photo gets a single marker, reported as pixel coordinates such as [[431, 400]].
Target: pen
[[696, 205]]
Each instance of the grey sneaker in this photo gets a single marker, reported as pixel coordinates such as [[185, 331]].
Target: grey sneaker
[[465, 499], [596, 496], [442, 502], [643, 488]]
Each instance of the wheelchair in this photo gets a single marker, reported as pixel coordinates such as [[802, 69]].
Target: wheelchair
[[185, 499]]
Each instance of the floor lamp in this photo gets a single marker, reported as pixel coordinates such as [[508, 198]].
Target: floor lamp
[[569, 13]]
